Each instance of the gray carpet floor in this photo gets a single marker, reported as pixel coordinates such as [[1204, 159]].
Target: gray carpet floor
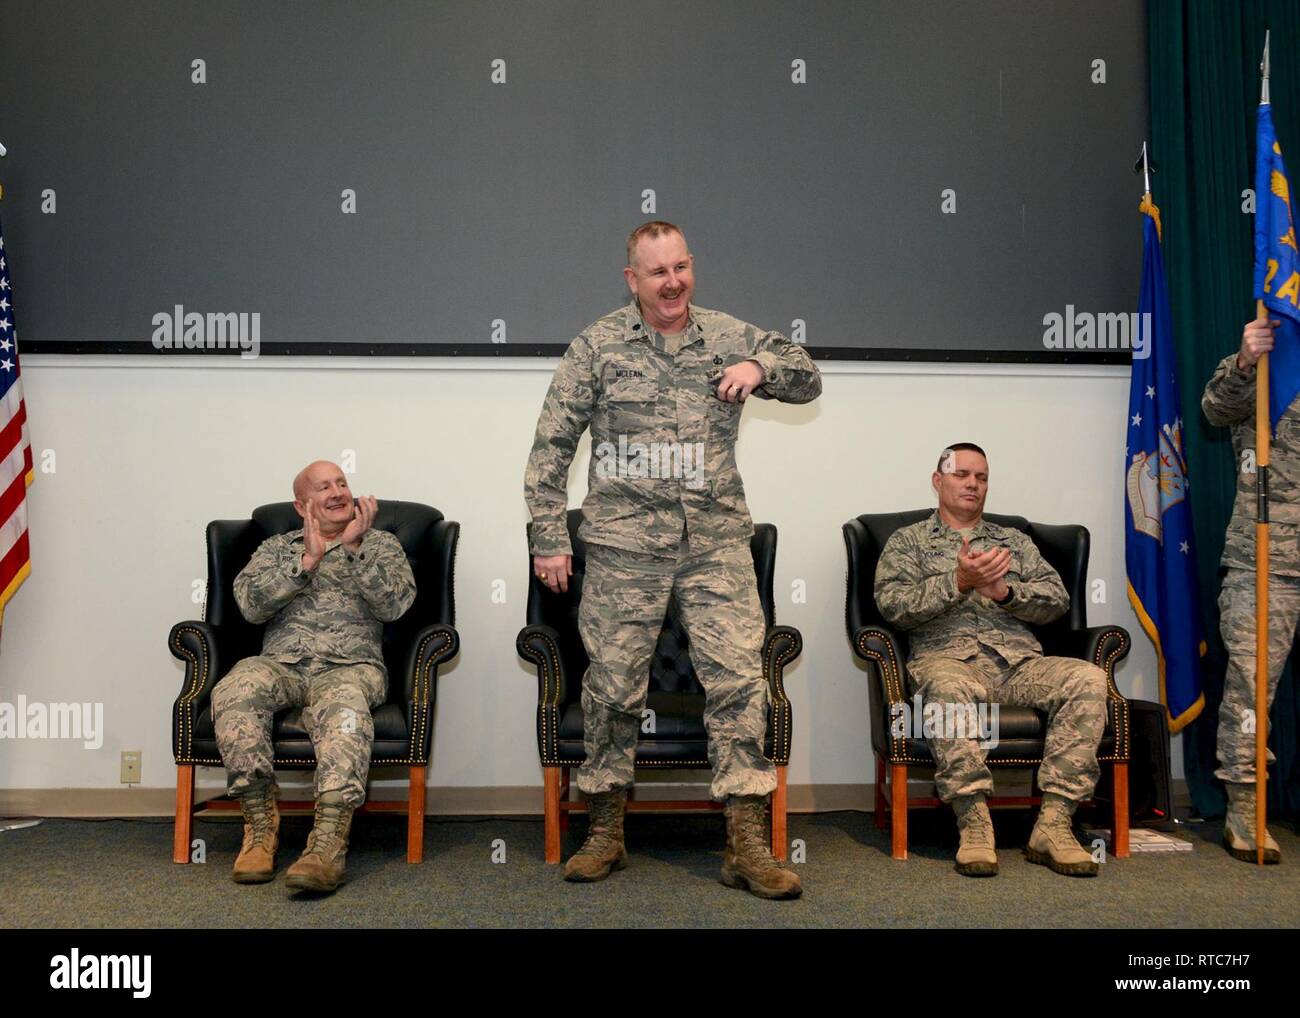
[[111, 873]]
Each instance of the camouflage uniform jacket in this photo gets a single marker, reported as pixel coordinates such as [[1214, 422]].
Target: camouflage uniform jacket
[[916, 589], [336, 613], [1229, 399], [619, 378]]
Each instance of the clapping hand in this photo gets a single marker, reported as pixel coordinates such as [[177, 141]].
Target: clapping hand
[[983, 571], [363, 516], [313, 542]]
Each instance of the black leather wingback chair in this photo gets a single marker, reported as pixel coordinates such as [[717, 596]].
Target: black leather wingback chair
[[413, 646], [1021, 730], [551, 642]]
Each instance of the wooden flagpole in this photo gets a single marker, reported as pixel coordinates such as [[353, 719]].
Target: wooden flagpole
[[1263, 441]]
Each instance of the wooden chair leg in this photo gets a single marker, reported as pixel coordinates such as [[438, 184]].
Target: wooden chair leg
[[881, 820], [1121, 810], [415, 816], [780, 838], [898, 809], [564, 790], [184, 813], [551, 812]]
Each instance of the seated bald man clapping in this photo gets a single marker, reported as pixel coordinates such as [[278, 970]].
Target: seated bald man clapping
[[325, 592]]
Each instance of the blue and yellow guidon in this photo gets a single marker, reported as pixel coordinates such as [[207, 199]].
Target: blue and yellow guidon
[[1280, 188], [1277, 265]]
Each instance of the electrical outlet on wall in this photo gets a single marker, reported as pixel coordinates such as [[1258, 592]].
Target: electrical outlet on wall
[[130, 766]]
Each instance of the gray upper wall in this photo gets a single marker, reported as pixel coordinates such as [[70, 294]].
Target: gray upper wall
[[479, 201]]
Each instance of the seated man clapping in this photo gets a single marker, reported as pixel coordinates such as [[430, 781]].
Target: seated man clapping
[[967, 589], [325, 592]]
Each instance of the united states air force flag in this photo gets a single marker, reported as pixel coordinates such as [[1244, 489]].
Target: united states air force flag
[[1277, 266], [1159, 545]]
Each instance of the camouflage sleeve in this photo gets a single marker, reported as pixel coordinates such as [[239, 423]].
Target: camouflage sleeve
[[383, 575], [904, 598], [789, 374], [273, 577], [1037, 595], [564, 417], [1230, 393]]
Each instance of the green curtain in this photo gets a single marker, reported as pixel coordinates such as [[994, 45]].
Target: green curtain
[[1204, 78]]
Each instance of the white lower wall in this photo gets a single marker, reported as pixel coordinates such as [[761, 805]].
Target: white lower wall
[[145, 451]]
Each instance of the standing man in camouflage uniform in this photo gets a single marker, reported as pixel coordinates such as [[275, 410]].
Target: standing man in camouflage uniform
[[1229, 400], [326, 591], [966, 588], [665, 381]]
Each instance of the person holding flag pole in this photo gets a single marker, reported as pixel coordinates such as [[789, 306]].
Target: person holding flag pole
[[1260, 600]]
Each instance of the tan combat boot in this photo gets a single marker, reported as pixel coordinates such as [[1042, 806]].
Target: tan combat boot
[[1052, 842], [320, 868], [977, 853], [747, 863], [1239, 827], [256, 861], [603, 851]]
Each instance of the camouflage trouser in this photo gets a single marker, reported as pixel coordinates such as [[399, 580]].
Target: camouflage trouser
[[1237, 623], [624, 600], [336, 701], [1071, 691]]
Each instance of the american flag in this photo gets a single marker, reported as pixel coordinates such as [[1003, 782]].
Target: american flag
[[15, 450]]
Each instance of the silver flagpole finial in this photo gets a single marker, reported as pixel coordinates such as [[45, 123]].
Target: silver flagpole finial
[[1263, 70], [1144, 167]]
